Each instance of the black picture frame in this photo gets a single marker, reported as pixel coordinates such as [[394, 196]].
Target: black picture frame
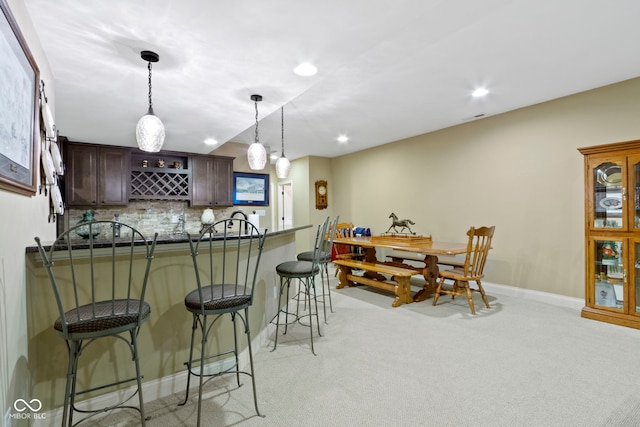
[[19, 112], [250, 189]]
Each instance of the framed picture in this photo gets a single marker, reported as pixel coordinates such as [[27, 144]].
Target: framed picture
[[250, 189], [19, 115]]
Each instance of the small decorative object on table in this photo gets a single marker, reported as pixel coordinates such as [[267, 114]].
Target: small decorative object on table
[[84, 230], [404, 223], [160, 163]]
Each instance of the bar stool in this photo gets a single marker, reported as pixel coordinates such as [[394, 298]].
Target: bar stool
[[225, 277], [97, 297], [323, 261], [306, 272]]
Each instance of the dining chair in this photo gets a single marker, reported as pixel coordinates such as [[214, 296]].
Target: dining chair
[[226, 265], [341, 251], [323, 262], [305, 272], [99, 286], [478, 246]]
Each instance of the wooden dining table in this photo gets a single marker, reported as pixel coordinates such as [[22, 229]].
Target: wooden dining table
[[412, 244]]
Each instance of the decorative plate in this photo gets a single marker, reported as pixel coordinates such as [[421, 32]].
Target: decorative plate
[[49, 168], [611, 203], [610, 176], [57, 159], [56, 199], [49, 125]]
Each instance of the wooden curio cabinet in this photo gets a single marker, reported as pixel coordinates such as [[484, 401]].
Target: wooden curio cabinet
[[612, 233]]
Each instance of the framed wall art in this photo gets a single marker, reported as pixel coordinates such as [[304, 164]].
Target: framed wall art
[[19, 114], [250, 189]]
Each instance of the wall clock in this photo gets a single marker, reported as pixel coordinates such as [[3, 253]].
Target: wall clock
[[321, 194]]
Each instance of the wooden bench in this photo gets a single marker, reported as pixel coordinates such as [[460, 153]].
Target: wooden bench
[[398, 284]]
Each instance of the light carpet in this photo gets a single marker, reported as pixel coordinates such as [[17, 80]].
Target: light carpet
[[520, 363]]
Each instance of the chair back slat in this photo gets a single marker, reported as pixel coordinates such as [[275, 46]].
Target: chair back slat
[[478, 247], [226, 257], [320, 242], [97, 271]]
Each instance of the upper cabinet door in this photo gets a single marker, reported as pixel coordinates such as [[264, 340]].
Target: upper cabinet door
[[608, 198], [113, 176], [81, 186], [212, 181]]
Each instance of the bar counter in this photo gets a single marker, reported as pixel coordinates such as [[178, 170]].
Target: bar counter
[[163, 340]]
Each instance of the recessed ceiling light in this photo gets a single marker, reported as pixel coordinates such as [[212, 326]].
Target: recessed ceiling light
[[479, 92], [343, 138], [210, 141], [305, 69]]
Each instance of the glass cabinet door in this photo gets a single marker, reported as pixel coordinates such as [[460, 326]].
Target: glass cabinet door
[[609, 273], [635, 288], [609, 194], [634, 193]]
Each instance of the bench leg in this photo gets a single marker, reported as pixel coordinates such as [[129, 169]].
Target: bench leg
[[403, 291]]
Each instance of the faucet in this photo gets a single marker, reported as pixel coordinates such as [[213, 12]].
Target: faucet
[[234, 213]]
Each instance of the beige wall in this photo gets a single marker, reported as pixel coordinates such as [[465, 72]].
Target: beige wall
[[22, 218], [519, 171]]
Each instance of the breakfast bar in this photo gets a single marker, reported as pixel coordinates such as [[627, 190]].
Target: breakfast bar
[[164, 342]]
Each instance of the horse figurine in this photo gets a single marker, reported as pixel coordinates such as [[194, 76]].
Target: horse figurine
[[400, 223]]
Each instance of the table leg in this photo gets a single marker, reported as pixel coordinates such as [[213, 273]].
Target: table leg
[[430, 273], [342, 275]]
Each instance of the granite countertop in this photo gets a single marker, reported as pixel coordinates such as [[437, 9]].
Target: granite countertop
[[161, 240]]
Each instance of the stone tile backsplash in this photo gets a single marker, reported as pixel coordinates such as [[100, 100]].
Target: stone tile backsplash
[[153, 215]]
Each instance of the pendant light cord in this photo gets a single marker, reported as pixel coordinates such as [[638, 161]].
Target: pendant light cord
[[282, 124], [150, 102], [256, 104]]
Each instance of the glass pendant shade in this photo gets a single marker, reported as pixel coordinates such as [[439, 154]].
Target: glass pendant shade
[[283, 166], [150, 130], [150, 133], [257, 156]]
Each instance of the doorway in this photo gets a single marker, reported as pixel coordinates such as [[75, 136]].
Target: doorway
[[285, 204]]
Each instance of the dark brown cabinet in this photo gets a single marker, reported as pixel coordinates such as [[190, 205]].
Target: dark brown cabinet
[[212, 181], [108, 175], [96, 175]]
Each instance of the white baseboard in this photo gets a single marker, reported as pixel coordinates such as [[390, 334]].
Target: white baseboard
[[546, 297]]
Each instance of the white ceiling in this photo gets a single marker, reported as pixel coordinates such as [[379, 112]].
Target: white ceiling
[[387, 69]]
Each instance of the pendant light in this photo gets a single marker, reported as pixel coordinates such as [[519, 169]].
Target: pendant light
[[257, 154], [283, 165], [150, 130]]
